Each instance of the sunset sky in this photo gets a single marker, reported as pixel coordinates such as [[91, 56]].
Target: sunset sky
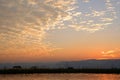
[[59, 30]]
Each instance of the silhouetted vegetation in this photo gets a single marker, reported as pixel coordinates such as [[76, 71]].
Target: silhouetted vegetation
[[34, 69], [17, 67]]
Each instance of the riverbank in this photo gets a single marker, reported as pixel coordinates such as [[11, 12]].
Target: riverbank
[[31, 71]]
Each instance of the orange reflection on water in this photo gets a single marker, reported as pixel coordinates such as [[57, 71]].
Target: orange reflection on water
[[109, 77]]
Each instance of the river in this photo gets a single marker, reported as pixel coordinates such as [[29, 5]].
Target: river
[[71, 76]]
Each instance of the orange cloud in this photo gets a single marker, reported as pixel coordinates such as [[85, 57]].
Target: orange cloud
[[112, 53]]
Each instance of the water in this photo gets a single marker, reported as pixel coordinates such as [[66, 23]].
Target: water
[[61, 77]]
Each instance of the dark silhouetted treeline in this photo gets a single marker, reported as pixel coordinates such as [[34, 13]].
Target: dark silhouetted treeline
[[19, 70]]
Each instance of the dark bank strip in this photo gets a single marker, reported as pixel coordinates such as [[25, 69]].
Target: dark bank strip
[[31, 71]]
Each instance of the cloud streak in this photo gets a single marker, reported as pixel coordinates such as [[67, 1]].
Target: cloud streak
[[112, 53]]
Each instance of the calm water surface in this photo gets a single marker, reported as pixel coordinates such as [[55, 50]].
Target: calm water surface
[[61, 77]]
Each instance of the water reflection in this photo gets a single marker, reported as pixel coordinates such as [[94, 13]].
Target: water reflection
[[61, 77], [110, 77]]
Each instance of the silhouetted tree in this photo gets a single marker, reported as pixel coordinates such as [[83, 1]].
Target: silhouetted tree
[[70, 68], [34, 67], [17, 67]]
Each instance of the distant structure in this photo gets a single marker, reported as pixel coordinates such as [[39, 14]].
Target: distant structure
[[34, 67], [70, 68], [17, 67]]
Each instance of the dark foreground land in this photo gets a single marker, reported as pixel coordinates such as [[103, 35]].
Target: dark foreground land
[[30, 71]]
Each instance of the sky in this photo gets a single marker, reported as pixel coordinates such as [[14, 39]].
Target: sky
[[59, 30]]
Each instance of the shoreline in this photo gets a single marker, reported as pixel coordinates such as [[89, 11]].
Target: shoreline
[[50, 71]]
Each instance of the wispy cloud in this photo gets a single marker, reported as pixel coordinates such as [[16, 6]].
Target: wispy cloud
[[111, 53], [86, 0], [24, 22], [92, 19]]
